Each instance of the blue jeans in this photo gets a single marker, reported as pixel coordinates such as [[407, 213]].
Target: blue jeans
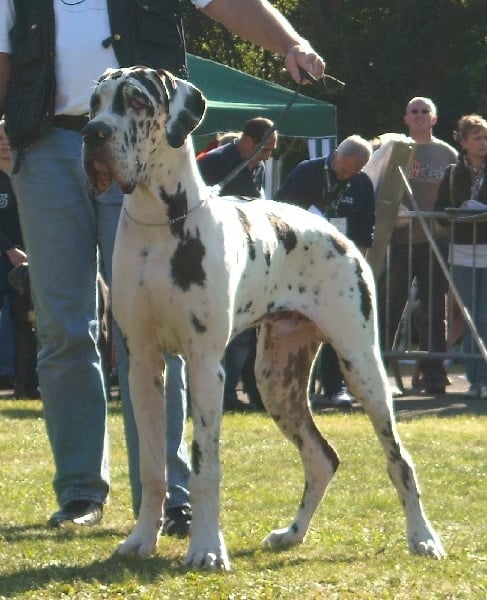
[[64, 227], [473, 296], [7, 339]]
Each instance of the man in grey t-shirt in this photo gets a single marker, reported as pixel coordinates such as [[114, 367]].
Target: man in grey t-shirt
[[431, 157]]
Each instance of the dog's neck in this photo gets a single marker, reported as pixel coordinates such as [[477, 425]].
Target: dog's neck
[[173, 190]]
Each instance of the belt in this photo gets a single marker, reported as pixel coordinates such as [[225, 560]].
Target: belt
[[72, 122]]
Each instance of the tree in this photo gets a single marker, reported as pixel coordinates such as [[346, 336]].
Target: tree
[[386, 52]]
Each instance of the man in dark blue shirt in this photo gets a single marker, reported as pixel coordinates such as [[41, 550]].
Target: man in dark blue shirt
[[336, 188], [220, 162]]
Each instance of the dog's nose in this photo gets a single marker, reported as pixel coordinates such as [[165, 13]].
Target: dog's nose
[[96, 132]]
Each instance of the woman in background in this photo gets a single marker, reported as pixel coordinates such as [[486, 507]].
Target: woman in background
[[464, 185]]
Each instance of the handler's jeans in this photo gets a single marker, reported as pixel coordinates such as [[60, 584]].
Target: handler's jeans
[[63, 225], [472, 286]]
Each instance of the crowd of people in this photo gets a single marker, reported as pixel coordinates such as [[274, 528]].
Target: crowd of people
[[69, 232]]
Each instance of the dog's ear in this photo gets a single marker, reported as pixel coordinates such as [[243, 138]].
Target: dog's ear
[[186, 107]]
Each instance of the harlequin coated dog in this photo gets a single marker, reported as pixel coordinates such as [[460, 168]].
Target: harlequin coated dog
[[190, 271]]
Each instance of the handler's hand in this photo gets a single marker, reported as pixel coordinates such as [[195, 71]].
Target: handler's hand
[[302, 55]]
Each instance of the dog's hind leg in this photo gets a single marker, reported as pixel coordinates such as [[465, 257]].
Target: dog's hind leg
[[285, 352], [366, 378]]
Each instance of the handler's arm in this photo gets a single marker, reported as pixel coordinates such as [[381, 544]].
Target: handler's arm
[[4, 77], [259, 22]]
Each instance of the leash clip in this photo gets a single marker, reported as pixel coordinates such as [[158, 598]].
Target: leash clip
[[322, 81]]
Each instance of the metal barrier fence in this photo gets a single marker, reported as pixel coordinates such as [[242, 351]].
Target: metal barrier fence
[[406, 343]]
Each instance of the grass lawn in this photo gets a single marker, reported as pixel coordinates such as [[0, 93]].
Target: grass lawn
[[356, 547]]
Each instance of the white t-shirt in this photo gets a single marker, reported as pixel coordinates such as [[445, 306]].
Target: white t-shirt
[[80, 29]]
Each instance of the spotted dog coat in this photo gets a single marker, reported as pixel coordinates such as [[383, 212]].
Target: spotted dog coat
[[190, 271]]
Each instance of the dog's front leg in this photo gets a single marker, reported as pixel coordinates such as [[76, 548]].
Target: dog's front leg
[[147, 393], [207, 546]]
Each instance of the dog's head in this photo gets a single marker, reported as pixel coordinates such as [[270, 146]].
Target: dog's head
[[134, 111]]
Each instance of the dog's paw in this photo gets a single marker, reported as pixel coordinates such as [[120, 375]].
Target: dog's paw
[[288, 536], [142, 544], [207, 560], [213, 557], [428, 544]]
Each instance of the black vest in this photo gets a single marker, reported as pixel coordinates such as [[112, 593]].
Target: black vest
[[143, 32]]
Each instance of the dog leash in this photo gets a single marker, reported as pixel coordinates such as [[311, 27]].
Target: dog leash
[[304, 76]]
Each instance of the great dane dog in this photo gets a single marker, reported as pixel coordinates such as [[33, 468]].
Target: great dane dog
[[190, 271]]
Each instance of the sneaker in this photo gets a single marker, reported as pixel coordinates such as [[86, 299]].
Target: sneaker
[[433, 390], [177, 521], [341, 399], [473, 392], [78, 512]]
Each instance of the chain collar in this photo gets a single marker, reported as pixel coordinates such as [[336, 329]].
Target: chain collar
[[163, 223]]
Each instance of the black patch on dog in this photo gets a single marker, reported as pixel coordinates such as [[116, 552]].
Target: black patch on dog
[[365, 299], [199, 327], [94, 103], [247, 230], [196, 457], [133, 133], [187, 263], [118, 104], [177, 208], [151, 87], [284, 233], [296, 369], [267, 257], [245, 309]]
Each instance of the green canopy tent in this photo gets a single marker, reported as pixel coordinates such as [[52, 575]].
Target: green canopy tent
[[234, 97]]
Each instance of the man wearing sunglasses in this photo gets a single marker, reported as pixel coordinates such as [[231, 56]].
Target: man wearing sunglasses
[[431, 157]]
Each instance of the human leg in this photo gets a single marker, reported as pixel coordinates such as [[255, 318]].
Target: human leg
[[59, 226], [463, 280], [332, 378], [7, 345], [248, 373], [481, 324], [392, 291], [236, 354], [178, 463], [472, 284], [432, 288]]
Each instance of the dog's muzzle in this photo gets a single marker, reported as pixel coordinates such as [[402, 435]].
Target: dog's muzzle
[[96, 156]]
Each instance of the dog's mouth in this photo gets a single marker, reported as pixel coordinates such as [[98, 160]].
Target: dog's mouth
[[99, 174]]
